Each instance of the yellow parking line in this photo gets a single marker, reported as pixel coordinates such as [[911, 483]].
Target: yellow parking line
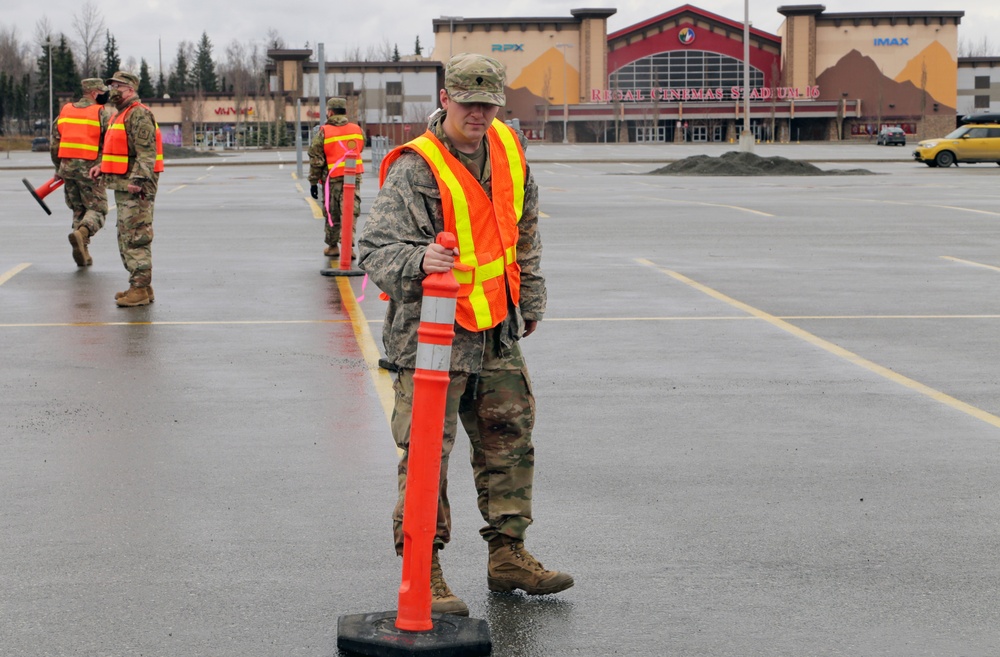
[[14, 272], [849, 356], [175, 189], [971, 262], [380, 378]]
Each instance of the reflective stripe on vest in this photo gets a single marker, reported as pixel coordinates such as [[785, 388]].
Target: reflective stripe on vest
[[115, 157], [488, 245], [79, 132], [335, 138]]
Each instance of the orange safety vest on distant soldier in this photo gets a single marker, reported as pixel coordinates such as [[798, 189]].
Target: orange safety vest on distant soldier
[[79, 131], [486, 230], [335, 138], [115, 157]]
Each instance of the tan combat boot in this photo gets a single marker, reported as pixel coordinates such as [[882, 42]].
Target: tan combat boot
[[331, 252], [119, 295], [78, 240], [512, 567], [443, 601], [134, 296]]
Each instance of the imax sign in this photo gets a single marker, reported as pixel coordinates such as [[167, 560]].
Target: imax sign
[[507, 47], [905, 41]]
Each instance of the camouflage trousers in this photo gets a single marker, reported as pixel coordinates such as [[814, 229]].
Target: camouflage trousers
[[135, 235], [497, 410], [88, 199], [336, 207]]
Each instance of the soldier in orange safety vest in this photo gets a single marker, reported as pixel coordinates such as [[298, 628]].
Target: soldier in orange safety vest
[[77, 136], [467, 175], [328, 153], [131, 164]]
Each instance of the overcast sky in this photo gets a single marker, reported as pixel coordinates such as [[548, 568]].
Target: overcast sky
[[141, 27]]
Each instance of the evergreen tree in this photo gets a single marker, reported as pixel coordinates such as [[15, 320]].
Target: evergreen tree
[[65, 78], [145, 86], [178, 80], [161, 86], [417, 49], [203, 75], [395, 53], [112, 62]]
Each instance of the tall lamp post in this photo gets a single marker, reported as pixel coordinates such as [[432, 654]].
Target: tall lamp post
[[746, 137], [48, 42], [451, 33], [563, 47]]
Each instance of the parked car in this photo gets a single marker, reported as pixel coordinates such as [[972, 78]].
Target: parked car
[[888, 136], [979, 118], [40, 144], [969, 143]]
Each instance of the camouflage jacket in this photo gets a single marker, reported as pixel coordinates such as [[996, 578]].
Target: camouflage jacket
[[140, 127], [405, 217], [70, 168], [317, 154]]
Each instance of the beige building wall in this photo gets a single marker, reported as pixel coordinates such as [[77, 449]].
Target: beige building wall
[[798, 56]]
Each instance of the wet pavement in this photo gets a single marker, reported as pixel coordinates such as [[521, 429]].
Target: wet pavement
[[767, 419]]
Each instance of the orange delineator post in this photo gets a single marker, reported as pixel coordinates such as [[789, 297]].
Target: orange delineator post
[[43, 190], [430, 393], [347, 207]]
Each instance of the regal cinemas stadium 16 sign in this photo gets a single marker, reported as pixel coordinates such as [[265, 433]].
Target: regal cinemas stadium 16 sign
[[674, 94]]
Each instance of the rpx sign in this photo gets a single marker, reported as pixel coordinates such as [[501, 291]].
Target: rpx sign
[[507, 47], [905, 41]]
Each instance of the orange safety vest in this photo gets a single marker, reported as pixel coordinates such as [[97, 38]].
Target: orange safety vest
[[115, 157], [486, 229], [335, 138], [79, 131]]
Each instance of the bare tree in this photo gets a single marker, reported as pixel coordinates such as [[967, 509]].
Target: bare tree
[[984, 47], [43, 31], [274, 40], [89, 27], [381, 52]]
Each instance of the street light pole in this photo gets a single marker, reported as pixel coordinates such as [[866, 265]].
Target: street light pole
[[48, 42], [451, 34], [563, 47], [746, 137]]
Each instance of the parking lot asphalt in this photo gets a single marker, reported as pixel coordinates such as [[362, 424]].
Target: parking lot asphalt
[[768, 418]]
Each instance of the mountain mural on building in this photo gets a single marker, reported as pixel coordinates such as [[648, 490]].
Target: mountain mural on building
[[545, 74], [859, 77], [936, 67]]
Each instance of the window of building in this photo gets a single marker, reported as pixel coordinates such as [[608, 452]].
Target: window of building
[[345, 89], [393, 88], [982, 102], [982, 82], [394, 108], [692, 69]]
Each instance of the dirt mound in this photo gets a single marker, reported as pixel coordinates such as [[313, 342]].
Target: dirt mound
[[171, 152], [735, 163]]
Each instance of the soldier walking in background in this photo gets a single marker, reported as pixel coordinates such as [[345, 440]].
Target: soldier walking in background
[[327, 159], [131, 164], [77, 137], [476, 163]]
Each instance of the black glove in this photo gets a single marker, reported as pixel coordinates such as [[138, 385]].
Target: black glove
[[314, 191]]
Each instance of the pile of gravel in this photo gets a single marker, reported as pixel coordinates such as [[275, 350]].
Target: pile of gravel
[[736, 163]]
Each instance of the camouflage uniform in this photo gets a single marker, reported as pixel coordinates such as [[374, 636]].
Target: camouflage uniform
[[317, 176], [88, 199], [490, 390], [135, 211]]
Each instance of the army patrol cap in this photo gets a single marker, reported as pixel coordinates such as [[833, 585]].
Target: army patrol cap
[[336, 103], [471, 78], [93, 84], [124, 77]]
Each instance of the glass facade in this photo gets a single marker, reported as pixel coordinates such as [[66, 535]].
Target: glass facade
[[679, 69]]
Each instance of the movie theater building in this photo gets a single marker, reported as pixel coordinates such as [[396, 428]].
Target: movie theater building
[[679, 76]]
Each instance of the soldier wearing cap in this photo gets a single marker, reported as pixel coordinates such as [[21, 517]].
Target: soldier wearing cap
[[77, 137], [476, 162], [131, 164], [327, 161]]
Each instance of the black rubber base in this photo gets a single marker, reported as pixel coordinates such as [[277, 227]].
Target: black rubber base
[[387, 364], [36, 196], [341, 272], [376, 635]]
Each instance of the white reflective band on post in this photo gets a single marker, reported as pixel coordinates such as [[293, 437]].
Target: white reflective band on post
[[349, 179], [433, 357], [438, 310]]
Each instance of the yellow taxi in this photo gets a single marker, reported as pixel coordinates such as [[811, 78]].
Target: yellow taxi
[[972, 142]]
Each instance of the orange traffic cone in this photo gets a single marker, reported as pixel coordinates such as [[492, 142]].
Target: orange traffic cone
[[46, 188]]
